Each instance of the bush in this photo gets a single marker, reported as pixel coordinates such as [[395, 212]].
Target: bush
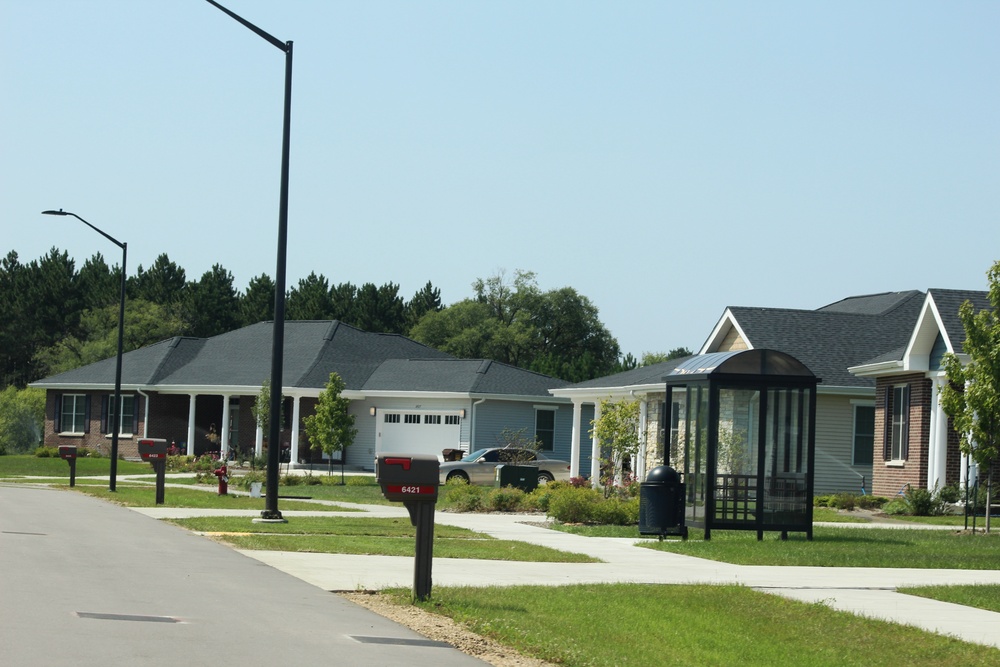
[[895, 507], [574, 504], [464, 497], [617, 512], [922, 502], [47, 452], [290, 480], [950, 494], [244, 481], [871, 502], [506, 499]]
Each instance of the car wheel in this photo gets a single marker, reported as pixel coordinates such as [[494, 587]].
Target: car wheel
[[458, 474], [544, 478]]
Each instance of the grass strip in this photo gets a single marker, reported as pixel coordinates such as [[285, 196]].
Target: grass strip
[[145, 496], [606, 625], [28, 465], [370, 536], [982, 596], [846, 547]]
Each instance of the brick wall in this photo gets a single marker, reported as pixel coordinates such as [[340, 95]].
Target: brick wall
[[93, 438], [887, 480]]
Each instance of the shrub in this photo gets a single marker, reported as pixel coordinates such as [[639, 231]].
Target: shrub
[[244, 481], [922, 502], [464, 497], [574, 504], [47, 452], [506, 499], [617, 512], [950, 494], [871, 502], [845, 501], [290, 480], [896, 506]]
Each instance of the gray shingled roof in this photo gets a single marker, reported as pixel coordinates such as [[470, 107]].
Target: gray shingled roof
[[836, 337], [641, 376], [948, 302], [313, 350]]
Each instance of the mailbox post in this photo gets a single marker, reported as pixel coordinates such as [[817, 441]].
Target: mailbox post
[[68, 454], [154, 450], [413, 479]]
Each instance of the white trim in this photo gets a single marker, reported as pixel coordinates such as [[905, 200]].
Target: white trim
[[718, 333]]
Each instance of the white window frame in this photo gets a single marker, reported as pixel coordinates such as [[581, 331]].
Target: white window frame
[[124, 427], [79, 402]]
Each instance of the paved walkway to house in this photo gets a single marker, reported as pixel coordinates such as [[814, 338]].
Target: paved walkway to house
[[866, 591]]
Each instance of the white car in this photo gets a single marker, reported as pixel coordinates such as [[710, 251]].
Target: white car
[[479, 467]]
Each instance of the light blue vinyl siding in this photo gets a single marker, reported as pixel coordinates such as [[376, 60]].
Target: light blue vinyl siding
[[494, 416]]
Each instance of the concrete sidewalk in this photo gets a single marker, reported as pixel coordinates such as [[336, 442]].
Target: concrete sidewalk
[[866, 591]]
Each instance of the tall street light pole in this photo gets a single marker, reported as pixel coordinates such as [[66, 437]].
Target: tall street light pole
[[117, 405], [271, 512]]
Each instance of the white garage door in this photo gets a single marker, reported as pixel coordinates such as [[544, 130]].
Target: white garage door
[[417, 432]]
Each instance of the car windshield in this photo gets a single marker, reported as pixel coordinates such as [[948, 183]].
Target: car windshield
[[472, 456]]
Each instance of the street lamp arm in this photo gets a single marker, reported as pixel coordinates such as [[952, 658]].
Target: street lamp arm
[[284, 46], [107, 236]]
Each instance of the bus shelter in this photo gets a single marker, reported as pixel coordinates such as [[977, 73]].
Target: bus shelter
[[742, 431]]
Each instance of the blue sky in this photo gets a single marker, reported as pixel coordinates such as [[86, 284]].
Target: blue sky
[[665, 159]]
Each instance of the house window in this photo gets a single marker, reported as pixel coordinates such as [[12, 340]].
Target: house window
[[391, 418], [127, 424], [864, 434], [73, 413], [900, 422], [452, 420], [432, 419], [545, 429], [411, 419]]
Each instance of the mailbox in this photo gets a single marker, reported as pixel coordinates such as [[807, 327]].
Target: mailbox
[[67, 452], [152, 449], [408, 477]]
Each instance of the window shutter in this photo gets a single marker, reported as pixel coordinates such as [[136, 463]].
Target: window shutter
[[86, 413], [104, 413], [57, 418], [887, 425], [905, 445]]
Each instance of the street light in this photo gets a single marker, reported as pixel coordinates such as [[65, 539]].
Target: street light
[[271, 512], [117, 409]]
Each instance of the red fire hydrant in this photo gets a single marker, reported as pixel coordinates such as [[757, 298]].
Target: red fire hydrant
[[223, 474]]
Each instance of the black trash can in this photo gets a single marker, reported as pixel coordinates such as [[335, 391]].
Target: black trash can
[[661, 504]]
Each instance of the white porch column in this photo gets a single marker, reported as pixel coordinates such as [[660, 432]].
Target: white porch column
[[639, 467], [293, 456], [574, 457], [190, 433], [224, 449], [258, 446], [595, 452], [937, 454]]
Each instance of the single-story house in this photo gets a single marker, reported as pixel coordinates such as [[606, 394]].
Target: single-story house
[[914, 443], [198, 393], [828, 340]]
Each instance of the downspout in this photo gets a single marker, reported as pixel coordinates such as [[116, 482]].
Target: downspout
[[472, 425], [145, 416]]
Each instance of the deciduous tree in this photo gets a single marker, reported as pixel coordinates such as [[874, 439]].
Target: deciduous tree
[[331, 426]]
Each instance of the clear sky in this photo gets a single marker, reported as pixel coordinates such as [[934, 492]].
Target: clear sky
[[666, 159]]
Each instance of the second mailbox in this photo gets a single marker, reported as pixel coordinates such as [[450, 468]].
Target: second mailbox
[[408, 477], [152, 449]]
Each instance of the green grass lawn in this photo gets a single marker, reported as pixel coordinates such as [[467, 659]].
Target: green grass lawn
[[607, 625], [846, 547], [366, 535], [144, 495], [29, 465], [982, 596]]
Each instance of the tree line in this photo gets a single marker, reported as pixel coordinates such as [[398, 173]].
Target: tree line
[[55, 317]]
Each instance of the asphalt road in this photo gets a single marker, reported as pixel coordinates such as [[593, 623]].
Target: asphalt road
[[84, 582]]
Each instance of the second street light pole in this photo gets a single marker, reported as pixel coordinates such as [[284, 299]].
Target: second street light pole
[[117, 405], [271, 512]]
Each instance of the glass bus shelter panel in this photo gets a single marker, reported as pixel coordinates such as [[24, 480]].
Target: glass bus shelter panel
[[736, 476], [786, 480]]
